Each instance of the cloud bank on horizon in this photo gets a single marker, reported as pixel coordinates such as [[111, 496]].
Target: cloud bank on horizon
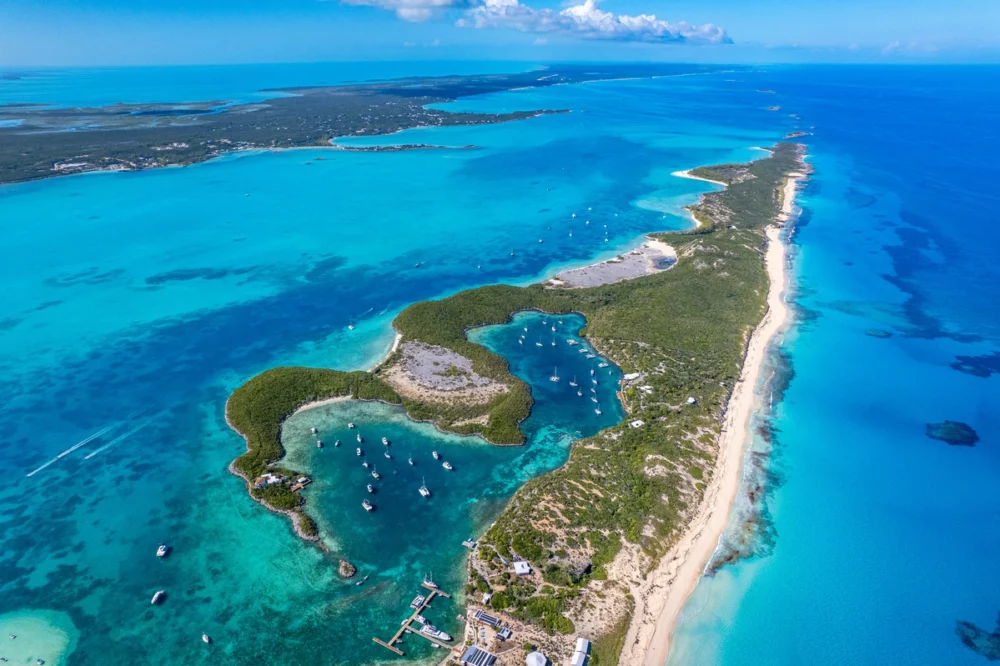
[[585, 20]]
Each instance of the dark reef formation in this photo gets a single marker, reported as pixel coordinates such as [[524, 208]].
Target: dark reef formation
[[878, 333], [955, 433], [980, 366], [982, 642]]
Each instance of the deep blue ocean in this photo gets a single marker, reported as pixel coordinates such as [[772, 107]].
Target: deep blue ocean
[[135, 302]]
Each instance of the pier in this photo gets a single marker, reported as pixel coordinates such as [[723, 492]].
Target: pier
[[408, 627]]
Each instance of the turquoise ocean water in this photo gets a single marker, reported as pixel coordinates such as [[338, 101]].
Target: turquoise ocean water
[[134, 303]]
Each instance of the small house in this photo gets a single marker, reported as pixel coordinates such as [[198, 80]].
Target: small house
[[638, 423], [522, 568]]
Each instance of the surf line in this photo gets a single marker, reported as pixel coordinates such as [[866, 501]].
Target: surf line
[[126, 435]]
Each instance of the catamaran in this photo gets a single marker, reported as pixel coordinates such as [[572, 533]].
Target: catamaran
[[371, 488], [598, 411], [313, 430], [573, 383], [162, 550], [423, 489], [367, 505], [447, 465], [555, 375], [375, 474], [602, 365], [319, 443]]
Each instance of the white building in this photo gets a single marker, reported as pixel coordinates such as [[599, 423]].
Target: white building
[[638, 423], [522, 568]]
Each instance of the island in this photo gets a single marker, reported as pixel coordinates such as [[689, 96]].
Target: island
[[611, 543], [38, 141]]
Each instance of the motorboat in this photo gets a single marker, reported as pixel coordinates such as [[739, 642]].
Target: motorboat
[[423, 489], [437, 456], [163, 550], [206, 639], [367, 505], [158, 597], [385, 441], [434, 632], [447, 465], [555, 375]]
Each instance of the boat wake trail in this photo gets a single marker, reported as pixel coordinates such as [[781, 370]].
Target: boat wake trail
[[72, 449], [126, 434]]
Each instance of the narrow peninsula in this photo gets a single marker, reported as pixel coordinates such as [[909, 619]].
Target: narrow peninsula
[[617, 536]]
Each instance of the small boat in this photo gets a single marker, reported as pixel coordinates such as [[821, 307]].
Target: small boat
[[434, 632], [593, 390], [362, 581], [429, 582], [555, 375], [410, 460], [158, 597], [358, 450], [371, 488], [423, 489], [313, 430], [337, 443], [447, 465], [594, 399], [364, 463], [590, 356], [594, 380], [437, 456], [375, 474], [602, 365], [553, 343], [538, 344], [162, 550], [367, 505], [553, 329], [540, 240], [579, 392], [319, 443], [525, 328], [387, 455], [593, 372], [350, 426], [598, 411], [359, 438], [417, 265], [206, 639], [417, 602], [573, 383], [520, 342], [385, 441]]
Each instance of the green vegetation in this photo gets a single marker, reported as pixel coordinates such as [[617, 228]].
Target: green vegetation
[[685, 330], [259, 407], [604, 649]]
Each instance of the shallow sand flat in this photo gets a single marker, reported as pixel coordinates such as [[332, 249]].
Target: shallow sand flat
[[652, 257], [41, 634], [428, 372]]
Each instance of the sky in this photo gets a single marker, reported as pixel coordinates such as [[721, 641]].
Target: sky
[[175, 32]]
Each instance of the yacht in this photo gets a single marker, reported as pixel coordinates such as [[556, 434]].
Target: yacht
[[437, 456], [594, 380], [429, 582], [387, 455], [337, 443], [375, 474], [447, 465], [206, 639], [555, 375], [434, 632], [371, 488], [602, 365], [593, 399], [598, 411], [319, 443], [538, 344], [358, 450], [313, 430], [385, 441], [579, 393], [410, 459], [350, 426], [553, 329], [367, 505], [359, 438], [423, 489], [573, 383], [158, 597], [162, 550]]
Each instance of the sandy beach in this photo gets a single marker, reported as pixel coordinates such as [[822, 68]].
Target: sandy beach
[[660, 598], [687, 174]]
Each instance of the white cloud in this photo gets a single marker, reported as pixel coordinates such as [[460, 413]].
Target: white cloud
[[540, 41], [589, 21], [891, 47], [413, 10]]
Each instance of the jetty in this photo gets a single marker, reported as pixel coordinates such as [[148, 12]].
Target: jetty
[[408, 627]]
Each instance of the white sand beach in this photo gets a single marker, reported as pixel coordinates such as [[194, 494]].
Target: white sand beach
[[660, 598]]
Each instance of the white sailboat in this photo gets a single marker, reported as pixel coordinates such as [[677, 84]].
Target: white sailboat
[[573, 383], [555, 375], [423, 488]]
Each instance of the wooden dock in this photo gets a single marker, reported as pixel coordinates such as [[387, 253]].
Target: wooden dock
[[408, 628]]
